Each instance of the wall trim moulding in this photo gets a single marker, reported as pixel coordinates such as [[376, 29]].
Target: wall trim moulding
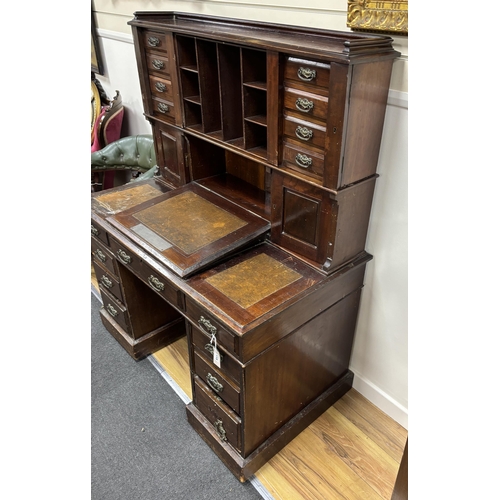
[[381, 399], [398, 98], [115, 35]]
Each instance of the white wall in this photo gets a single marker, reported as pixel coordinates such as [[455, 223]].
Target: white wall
[[380, 356]]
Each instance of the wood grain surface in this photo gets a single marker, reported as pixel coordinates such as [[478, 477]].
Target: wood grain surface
[[351, 452]]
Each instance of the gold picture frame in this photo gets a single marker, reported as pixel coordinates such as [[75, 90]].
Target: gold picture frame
[[387, 17]]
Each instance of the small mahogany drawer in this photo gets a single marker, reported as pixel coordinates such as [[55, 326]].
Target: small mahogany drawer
[[98, 232], [306, 161], [102, 255], [227, 424], [305, 103], [229, 366], [147, 274], [307, 72], [310, 134], [160, 87], [162, 108], [115, 309], [209, 325], [158, 64], [153, 40], [217, 382], [108, 281]]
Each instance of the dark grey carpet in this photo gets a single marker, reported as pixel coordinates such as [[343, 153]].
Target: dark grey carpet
[[142, 445]]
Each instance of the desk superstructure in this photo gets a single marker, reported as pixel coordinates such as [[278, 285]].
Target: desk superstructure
[[250, 239]]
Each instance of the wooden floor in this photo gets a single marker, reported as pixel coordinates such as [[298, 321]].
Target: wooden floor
[[351, 452]]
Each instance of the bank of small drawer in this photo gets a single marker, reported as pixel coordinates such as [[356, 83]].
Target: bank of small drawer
[[306, 104], [98, 232], [147, 274], [303, 160], [158, 64], [306, 133], [102, 255], [208, 325], [225, 421], [108, 281], [309, 73], [153, 40], [161, 87], [214, 378], [163, 109], [229, 366], [115, 309]]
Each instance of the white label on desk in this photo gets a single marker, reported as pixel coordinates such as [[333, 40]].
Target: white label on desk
[[151, 237], [216, 357]]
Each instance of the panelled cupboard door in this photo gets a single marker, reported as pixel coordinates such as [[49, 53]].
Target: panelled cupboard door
[[302, 217], [170, 154]]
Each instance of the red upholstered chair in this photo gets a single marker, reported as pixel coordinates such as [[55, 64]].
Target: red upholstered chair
[[107, 129]]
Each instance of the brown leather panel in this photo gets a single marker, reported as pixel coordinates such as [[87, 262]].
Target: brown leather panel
[[254, 279], [206, 224]]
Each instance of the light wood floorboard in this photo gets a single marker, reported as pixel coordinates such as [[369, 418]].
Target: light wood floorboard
[[351, 452]]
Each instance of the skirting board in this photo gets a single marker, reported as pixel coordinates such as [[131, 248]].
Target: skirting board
[[381, 399]]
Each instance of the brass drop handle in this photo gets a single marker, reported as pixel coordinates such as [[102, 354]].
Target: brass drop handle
[[303, 133], [156, 283], [207, 326], [303, 104], [94, 230], [219, 428], [210, 349], [214, 383], [106, 282], [153, 41], [158, 64], [100, 255], [306, 74], [112, 310], [123, 257], [160, 87], [163, 107], [303, 161]]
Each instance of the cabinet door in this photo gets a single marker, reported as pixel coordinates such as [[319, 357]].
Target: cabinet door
[[302, 217], [171, 152]]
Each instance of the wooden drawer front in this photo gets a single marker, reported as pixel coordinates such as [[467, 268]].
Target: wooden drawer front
[[160, 87], [307, 133], [227, 424], [208, 325], [102, 255], [98, 232], [163, 109], [147, 274], [115, 309], [311, 73], [303, 160], [229, 365], [158, 64], [153, 40], [217, 382], [108, 282], [306, 104]]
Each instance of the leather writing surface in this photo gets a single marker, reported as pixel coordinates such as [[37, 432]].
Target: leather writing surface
[[254, 279], [117, 201], [206, 223]]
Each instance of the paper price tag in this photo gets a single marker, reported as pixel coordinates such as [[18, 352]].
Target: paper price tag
[[216, 357], [216, 354]]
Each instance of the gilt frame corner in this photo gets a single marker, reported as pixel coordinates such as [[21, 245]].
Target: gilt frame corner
[[383, 16]]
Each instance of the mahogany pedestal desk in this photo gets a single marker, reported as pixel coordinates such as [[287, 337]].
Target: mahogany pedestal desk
[[250, 238]]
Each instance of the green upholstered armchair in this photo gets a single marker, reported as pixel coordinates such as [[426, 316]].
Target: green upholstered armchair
[[135, 153]]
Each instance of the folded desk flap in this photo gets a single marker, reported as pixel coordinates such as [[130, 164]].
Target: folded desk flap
[[189, 228]]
